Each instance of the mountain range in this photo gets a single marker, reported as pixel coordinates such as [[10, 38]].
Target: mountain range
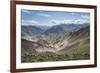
[[35, 30], [56, 39]]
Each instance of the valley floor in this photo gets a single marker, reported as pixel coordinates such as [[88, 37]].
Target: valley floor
[[72, 54]]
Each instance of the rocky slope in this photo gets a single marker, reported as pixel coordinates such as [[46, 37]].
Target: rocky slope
[[54, 40]]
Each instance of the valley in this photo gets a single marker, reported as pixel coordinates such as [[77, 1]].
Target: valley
[[57, 43]]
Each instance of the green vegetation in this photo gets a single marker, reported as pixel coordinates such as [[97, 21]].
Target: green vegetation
[[71, 54]]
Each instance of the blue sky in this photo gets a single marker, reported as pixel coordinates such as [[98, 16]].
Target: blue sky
[[51, 18]]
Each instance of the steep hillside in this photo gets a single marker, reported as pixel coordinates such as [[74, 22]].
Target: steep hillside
[[62, 41], [30, 30]]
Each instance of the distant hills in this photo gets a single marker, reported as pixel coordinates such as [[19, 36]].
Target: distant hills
[[65, 27], [32, 30]]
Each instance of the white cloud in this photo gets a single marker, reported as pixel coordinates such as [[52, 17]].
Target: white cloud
[[81, 21], [29, 22], [73, 21], [60, 21], [44, 15], [85, 17], [26, 11]]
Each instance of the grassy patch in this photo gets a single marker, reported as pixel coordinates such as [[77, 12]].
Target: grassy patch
[[74, 54]]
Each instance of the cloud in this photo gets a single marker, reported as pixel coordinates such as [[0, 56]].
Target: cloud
[[26, 11], [29, 22], [85, 17], [81, 21], [60, 21], [44, 15], [69, 21]]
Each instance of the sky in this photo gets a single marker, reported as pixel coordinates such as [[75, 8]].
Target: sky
[[51, 18]]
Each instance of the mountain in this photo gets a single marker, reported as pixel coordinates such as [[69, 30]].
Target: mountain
[[65, 27], [33, 47], [73, 27], [78, 40], [54, 29], [56, 41], [52, 43], [43, 27], [27, 47], [30, 30], [57, 29]]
